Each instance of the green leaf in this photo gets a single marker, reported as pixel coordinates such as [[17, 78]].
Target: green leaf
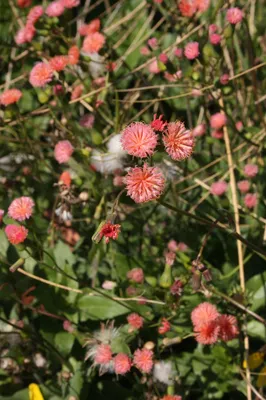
[[3, 243], [258, 284], [64, 342], [98, 307], [256, 329], [63, 254]]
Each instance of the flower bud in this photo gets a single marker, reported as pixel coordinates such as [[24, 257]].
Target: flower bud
[[166, 279]]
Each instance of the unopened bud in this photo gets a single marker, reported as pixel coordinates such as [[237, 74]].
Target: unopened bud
[[149, 345], [166, 279]]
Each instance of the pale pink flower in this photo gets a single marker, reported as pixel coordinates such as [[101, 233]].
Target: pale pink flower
[[63, 151], [135, 320], [21, 208], [93, 42], [164, 327], [55, 9], [224, 79], [67, 326], [154, 67], [16, 234], [251, 170], [178, 52], [35, 14], [192, 50], [170, 77], [169, 258], [2, 212], [143, 360], [87, 121], [103, 354], [228, 327], [202, 5], [178, 141], [144, 184], [172, 246], [108, 285], [187, 7], [58, 63], [10, 96], [218, 120], [139, 139], [25, 34], [70, 3], [243, 186], [199, 130], [203, 313], [163, 58], [250, 200], [153, 43], [218, 188], [144, 51], [136, 275], [122, 364], [234, 15], [215, 38], [93, 26], [217, 134], [118, 180], [239, 126], [73, 55], [181, 246], [77, 92], [41, 74]]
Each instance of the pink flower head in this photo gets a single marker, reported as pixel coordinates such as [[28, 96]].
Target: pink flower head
[[58, 63], [103, 354], [213, 29], [153, 43], [181, 246], [234, 15], [187, 7], [144, 51], [192, 50], [35, 14], [169, 258], [21, 208], [92, 27], [16, 234], [202, 5], [224, 79], [215, 38], [135, 320], [154, 67], [202, 314], [178, 141], [108, 285], [251, 170], [239, 126], [73, 55], [163, 58], [136, 275], [65, 178], [118, 180], [143, 360], [139, 139], [157, 124], [172, 246], [208, 333], [58, 89], [228, 327], [144, 184], [25, 34], [217, 134], [164, 327], [41, 74], [250, 200], [70, 3], [24, 3], [178, 52], [109, 231], [10, 96], [87, 121], [196, 92], [199, 130], [218, 120], [93, 42], [2, 212], [219, 188], [77, 92], [63, 151], [55, 9], [243, 186], [177, 288], [67, 326], [122, 364]]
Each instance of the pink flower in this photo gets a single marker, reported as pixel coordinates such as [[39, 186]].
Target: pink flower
[[2, 212], [93, 43], [178, 52], [182, 246], [234, 15], [73, 55], [250, 200], [144, 51], [164, 327], [55, 9], [178, 141], [143, 360], [77, 92], [25, 34], [202, 5], [35, 14], [58, 63], [177, 288], [157, 124], [118, 181], [163, 58], [122, 364], [154, 67], [63, 151], [10, 96], [108, 285], [144, 184], [24, 3], [218, 188], [92, 27], [65, 178], [192, 50], [67, 326], [169, 258], [153, 43], [215, 38], [135, 321], [224, 79], [139, 140], [103, 354], [213, 29], [187, 7], [21, 208], [218, 120], [228, 327], [243, 186], [196, 93], [41, 74], [16, 234], [208, 333], [109, 231], [239, 126], [202, 314], [217, 134], [87, 121], [172, 246], [136, 275], [251, 170], [70, 3], [199, 130]]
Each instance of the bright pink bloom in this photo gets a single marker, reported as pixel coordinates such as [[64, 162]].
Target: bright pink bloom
[[103, 354], [77, 92], [41, 74], [135, 320], [169, 258], [228, 327], [163, 58], [202, 314], [218, 120], [208, 333], [154, 67], [217, 134], [192, 50], [202, 5], [92, 27], [25, 34], [73, 55], [243, 186], [224, 79], [157, 124], [199, 130], [239, 126], [24, 3], [136, 275], [144, 51], [35, 14], [65, 178], [93, 42], [250, 200], [109, 231], [87, 121], [218, 188], [55, 9], [234, 15], [187, 7], [164, 327], [16, 234], [215, 38], [122, 364], [10, 96], [2, 212], [178, 52], [143, 360], [21, 208], [58, 63], [139, 139], [251, 170], [63, 151], [153, 43], [144, 184], [70, 3], [178, 141], [172, 246]]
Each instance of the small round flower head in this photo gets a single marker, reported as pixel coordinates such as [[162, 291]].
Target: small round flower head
[[139, 139], [87, 121], [154, 67], [203, 313], [109, 285], [157, 124], [234, 15], [109, 231], [63, 151], [187, 7], [136, 275], [144, 51], [118, 180], [228, 327], [103, 354], [213, 28], [144, 184], [208, 333], [163, 58], [93, 43], [55, 9], [25, 35], [10, 96], [199, 130], [77, 92], [243, 186], [218, 120], [215, 38], [67, 326], [143, 360], [70, 3], [41, 74], [251, 170], [35, 14], [153, 43], [164, 327], [16, 234], [172, 246], [58, 63], [217, 134], [192, 50], [2, 212], [219, 188], [181, 246], [65, 178], [224, 79], [135, 321], [21, 208], [122, 364], [178, 52], [250, 200], [178, 141], [239, 126], [92, 27], [24, 3], [202, 5], [73, 55]]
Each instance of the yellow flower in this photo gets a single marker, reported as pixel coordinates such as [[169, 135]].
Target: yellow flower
[[34, 392], [254, 360], [261, 381]]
